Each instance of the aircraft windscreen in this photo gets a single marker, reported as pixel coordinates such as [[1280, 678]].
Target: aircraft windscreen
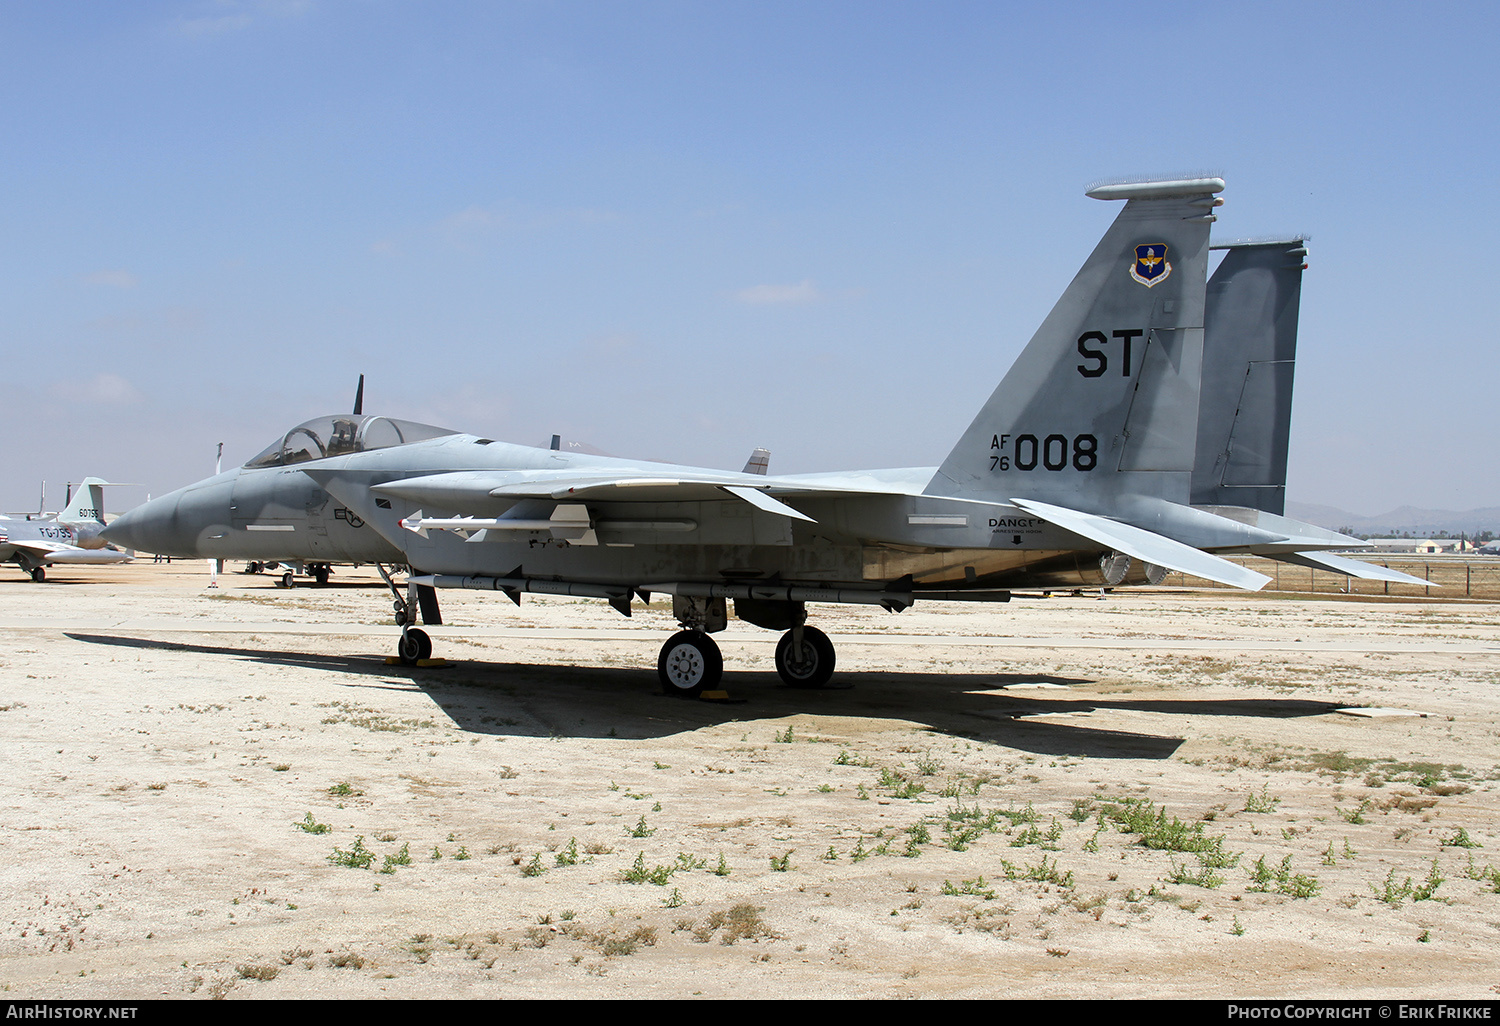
[[341, 435]]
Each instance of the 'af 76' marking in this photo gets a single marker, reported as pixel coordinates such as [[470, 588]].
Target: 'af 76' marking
[[1050, 452]]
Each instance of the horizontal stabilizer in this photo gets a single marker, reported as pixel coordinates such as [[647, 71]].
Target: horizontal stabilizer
[[1350, 567], [1147, 546]]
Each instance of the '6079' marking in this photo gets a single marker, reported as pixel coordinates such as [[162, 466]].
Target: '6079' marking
[[1054, 452]]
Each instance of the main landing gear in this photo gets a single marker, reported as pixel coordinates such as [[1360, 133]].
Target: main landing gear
[[38, 574], [690, 662], [806, 661], [319, 572]]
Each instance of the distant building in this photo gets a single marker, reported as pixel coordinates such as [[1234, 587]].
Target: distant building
[[1426, 546]]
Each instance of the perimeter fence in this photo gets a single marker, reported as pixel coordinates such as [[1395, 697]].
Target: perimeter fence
[[1448, 577]]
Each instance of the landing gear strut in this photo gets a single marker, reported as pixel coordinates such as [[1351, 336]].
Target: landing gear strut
[[415, 644]]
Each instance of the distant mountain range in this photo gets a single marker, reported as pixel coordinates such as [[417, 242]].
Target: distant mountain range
[[1420, 522]]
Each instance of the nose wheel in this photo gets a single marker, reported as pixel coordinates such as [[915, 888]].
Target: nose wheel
[[690, 663], [806, 662], [414, 646]]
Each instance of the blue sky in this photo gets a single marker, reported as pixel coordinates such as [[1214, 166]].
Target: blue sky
[[682, 230]]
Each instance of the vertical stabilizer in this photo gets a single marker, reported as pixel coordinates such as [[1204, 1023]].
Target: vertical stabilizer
[[1103, 401], [1249, 355], [87, 504]]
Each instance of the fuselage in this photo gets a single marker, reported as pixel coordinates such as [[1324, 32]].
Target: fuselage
[[334, 509]]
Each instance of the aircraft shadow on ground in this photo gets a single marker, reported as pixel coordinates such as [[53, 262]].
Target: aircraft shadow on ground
[[528, 699]]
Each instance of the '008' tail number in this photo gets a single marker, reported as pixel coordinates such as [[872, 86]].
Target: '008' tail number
[[1027, 452]]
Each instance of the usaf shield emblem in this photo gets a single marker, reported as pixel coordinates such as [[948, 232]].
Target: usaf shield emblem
[[1151, 267]]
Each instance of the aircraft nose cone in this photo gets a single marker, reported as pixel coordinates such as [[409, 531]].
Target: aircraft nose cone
[[148, 527]]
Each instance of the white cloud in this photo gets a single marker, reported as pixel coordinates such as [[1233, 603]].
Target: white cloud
[[104, 387], [470, 225], [119, 279], [234, 15], [767, 295], [475, 223], [214, 25]]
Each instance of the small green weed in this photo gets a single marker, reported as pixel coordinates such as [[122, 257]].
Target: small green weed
[[1461, 840], [356, 857], [312, 826], [639, 872], [1262, 802]]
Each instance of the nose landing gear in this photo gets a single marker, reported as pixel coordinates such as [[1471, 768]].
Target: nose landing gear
[[414, 646]]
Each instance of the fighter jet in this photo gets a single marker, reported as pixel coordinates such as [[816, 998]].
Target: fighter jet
[[73, 536], [1081, 462]]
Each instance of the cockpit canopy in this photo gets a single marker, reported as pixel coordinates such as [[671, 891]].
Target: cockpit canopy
[[340, 435]]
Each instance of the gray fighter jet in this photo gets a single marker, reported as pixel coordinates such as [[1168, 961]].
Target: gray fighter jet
[[72, 537], [1077, 472]]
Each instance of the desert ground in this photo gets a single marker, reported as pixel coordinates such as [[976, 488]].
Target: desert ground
[[1156, 793]]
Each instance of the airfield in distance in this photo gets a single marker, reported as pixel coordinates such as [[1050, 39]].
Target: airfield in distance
[[230, 793]]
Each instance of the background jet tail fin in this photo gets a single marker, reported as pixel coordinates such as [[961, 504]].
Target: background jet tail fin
[[1108, 385], [87, 503], [1249, 356]]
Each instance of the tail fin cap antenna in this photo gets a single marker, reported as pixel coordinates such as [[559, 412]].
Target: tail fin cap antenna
[[1172, 189]]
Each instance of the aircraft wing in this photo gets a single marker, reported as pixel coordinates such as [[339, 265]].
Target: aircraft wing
[[1146, 545], [46, 552], [1350, 567], [43, 548], [474, 490]]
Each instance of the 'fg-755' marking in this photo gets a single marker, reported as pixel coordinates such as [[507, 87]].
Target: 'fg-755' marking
[[1052, 453]]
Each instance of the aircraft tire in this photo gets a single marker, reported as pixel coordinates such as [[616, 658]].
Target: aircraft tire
[[39, 574], [814, 668], [253, 568], [690, 663], [320, 574], [287, 579], [414, 646]]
